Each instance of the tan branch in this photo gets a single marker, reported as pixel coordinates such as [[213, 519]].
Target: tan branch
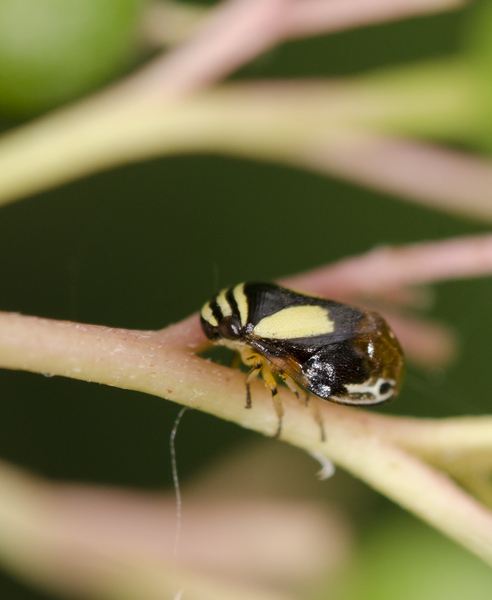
[[145, 361]]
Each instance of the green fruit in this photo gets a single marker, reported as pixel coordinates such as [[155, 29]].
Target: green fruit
[[54, 50]]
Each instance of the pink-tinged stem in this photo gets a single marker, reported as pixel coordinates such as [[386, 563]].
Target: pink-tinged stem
[[234, 32], [310, 17], [398, 266], [237, 31], [434, 176]]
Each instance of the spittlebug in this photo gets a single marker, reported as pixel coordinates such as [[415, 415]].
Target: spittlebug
[[336, 351]]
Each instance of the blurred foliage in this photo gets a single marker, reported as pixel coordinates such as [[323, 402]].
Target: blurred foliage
[[401, 559], [54, 50], [479, 39]]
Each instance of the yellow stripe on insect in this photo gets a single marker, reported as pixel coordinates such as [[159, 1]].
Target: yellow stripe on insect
[[242, 302], [208, 315], [224, 306], [295, 322]]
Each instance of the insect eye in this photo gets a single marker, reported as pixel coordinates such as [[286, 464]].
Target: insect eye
[[230, 328]]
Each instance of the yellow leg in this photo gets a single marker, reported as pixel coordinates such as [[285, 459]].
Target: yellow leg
[[257, 361], [271, 384], [290, 383], [259, 364]]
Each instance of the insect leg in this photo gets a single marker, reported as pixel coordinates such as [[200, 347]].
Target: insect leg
[[271, 384], [319, 420], [291, 384], [257, 361], [294, 388]]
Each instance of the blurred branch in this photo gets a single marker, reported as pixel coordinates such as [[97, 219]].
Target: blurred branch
[[387, 268], [233, 33], [341, 128], [76, 538], [169, 22], [433, 176], [51, 543], [386, 274], [460, 446], [382, 451], [311, 17], [280, 121]]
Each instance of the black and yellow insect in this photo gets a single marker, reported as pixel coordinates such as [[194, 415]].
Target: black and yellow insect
[[335, 351]]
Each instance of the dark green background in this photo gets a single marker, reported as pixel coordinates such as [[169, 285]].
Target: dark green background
[[145, 245]]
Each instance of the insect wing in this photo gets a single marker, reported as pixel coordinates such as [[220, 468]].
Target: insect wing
[[313, 363]]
